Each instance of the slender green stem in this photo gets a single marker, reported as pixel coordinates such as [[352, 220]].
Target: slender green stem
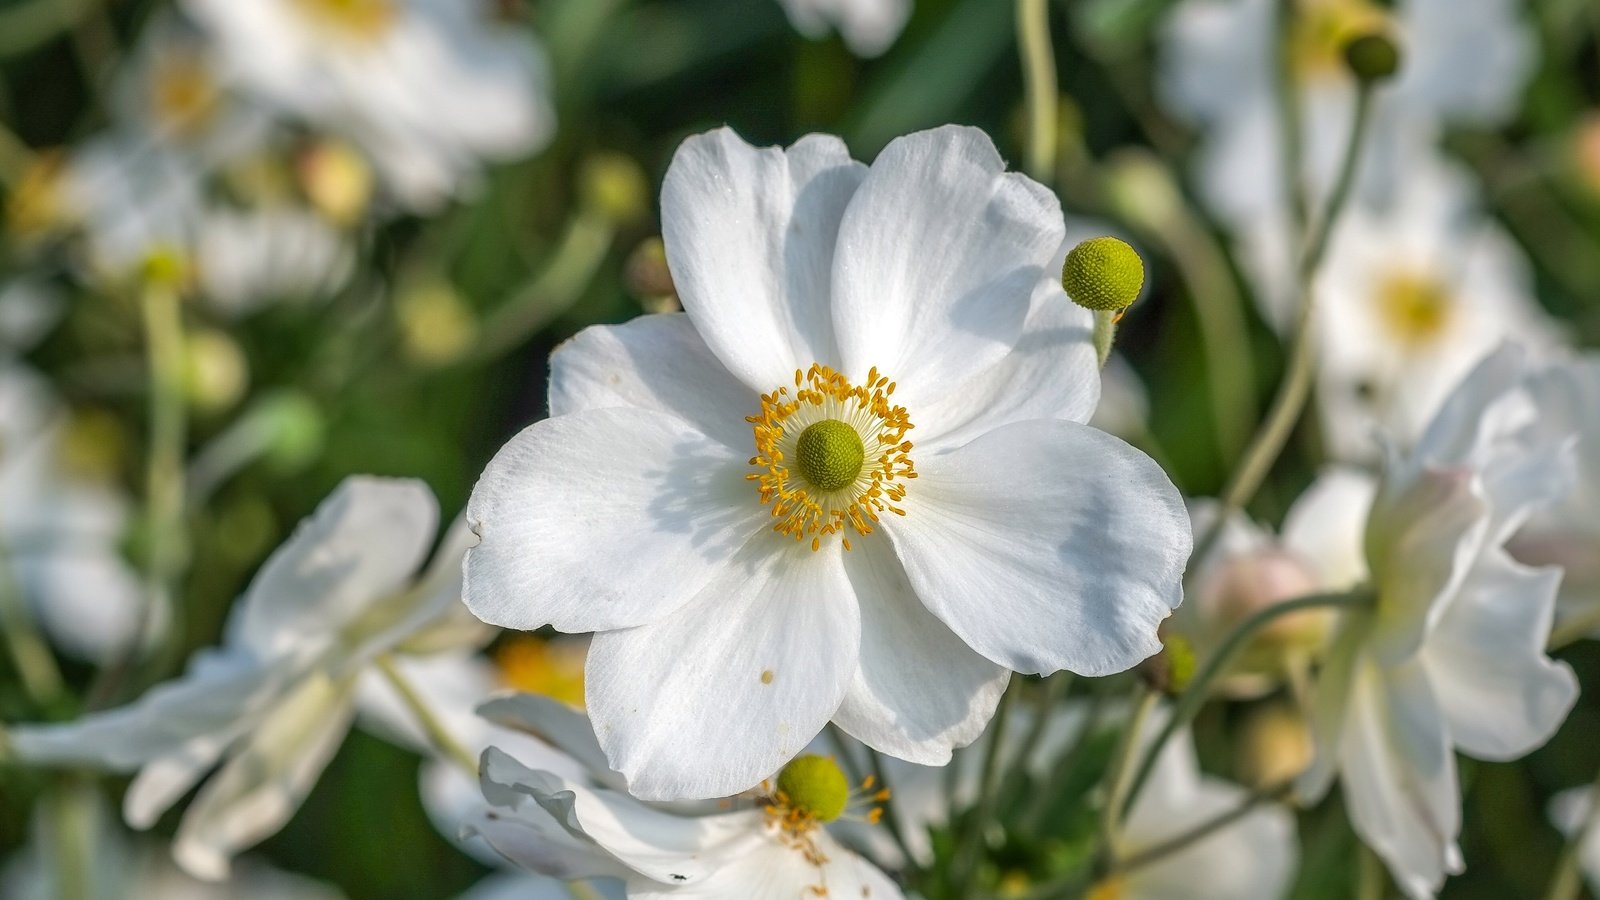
[[36, 665], [73, 838], [1291, 133], [443, 741], [1195, 695], [1370, 877], [1039, 82], [1119, 777], [164, 483], [891, 812], [583, 247], [963, 868], [1191, 836], [25, 26], [1045, 699], [1296, 387], [1066, 767], [1567, 880]]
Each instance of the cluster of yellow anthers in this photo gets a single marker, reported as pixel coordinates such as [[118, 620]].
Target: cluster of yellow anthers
[[811, 791], [849, 473]]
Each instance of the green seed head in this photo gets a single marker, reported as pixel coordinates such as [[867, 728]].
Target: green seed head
[[1373, 56], [816, 786], [829, 454], [1103, 273]]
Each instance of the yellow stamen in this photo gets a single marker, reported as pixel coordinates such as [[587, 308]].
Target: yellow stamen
[[540, 666], [351, 18], [813, 501], [1416, 308]]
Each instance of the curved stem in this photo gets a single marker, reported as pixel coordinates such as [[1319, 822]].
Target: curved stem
[[1370, 879], [891, 812], [1039, 82], [441, 738], [1194, 696], [1119, 776], [1296, 387], [964, 866], [1187, 838], [583, 247]]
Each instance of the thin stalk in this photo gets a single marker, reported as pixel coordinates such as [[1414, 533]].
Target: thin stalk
[[1119, 777], [443, 742], [1066, 767], [1187, 838], [1039, 84], [72, 841], [30, 653], [1370, 878], [1296, 387], [1567, 880], [164, 482], [964, 866], [583, 247], [1044, 701], [1194, 696], [891, 814], [1291, 132]]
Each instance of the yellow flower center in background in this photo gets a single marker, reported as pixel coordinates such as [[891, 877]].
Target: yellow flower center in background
[[538, 666], [351, 18], [1416, 309], [1113, 888], [831, 454], [1320, 32], [184, 98]]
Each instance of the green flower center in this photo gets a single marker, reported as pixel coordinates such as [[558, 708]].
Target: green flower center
[[830, 455], [815, 786]]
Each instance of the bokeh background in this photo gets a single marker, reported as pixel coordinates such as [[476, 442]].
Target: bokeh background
[[430, 350]]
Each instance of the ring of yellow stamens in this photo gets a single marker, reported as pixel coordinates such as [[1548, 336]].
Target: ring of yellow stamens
[[812, 791], [831, 454]]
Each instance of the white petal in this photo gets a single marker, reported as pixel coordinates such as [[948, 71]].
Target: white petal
[[1330, 707], [1326, 524], [1399, 777], [920, 691], [1046, 545], [718, 696], [1052, 373], [759, 867], [1501, 694], [363, 543], [653, 362], [938, 257], [551, 720], [263, 783], [604, 519], [750, 237]]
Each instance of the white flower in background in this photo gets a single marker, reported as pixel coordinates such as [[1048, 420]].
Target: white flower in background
[[839, 572], [1463, 62], [1409, 299], [429, 89], [247, 259], [125, 869], [29, 308], [129, 200], [61, 528], [776, 845], [274, 702], [1452, 653], [868, 27], [1566, 533], [1570, 810], [171, 92]]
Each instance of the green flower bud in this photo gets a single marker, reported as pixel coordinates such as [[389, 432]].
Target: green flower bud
[[1103, 273], [816, 786], [1372, 57]]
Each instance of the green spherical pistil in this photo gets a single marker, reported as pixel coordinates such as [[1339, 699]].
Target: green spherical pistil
[[1103, 273], [829, 454], [816, 786]]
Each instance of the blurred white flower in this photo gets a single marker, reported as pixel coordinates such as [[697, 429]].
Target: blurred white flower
[[1463, 62], [274, 702], [771, 846], [61, 529], [1452, 654], [246, 259], [427, 88], [129, 199], [1410, 298], [829, 308], [124, 869], [29, 308], [1569, 811], [868, 27], [1566, 532]]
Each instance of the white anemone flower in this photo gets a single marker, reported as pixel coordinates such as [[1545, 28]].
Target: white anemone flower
[[248, 259], [427, 88], [1566, 532], [1410, 298], [61, 529], [1463, 62], [1452, 653], [868, 27], [731, 496], [275, 701], [769, 847], [129, 200]]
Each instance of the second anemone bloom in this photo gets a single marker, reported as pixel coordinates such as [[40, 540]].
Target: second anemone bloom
[[850, 482]]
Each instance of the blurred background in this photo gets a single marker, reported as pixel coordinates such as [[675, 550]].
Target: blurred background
[[381, 215]]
